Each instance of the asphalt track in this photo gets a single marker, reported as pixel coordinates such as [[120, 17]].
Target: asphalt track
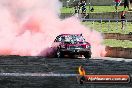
[[40, 72]]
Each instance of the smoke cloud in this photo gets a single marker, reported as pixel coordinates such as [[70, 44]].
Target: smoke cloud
[[29, 27]]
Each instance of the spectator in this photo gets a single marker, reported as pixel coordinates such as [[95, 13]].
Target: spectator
[[76, 9], [117, 3], [123, 17], [126, 4], [83, 7]]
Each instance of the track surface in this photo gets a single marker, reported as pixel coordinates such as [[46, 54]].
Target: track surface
[[62, 67]]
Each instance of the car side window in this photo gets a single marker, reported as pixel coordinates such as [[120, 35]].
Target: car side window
[[58, 39]]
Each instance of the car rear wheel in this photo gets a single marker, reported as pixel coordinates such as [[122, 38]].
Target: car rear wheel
[[59, 54]]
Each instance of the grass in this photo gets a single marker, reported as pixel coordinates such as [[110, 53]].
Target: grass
[[97, 9], [118, 43], [112, 27], [104, 28]]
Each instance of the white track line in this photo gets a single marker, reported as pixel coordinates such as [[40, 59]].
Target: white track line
[[113, 59], [38, 75]]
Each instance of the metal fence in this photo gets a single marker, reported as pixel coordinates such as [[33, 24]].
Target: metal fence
[[108, 24]]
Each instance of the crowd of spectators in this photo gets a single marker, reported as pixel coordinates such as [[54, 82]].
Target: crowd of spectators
[[80, 7]]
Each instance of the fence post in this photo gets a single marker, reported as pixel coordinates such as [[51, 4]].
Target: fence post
[[93, 24], [126, 24], [109, 25], [101, 25], [117, 24]]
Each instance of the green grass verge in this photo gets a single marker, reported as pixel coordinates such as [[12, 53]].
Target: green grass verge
[[97, 9], [112, 27], [118, 43], [104, 28]]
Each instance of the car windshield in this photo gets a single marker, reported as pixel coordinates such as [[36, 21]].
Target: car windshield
[[72, 38]]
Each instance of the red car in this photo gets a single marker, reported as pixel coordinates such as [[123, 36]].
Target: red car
[[71, 44]]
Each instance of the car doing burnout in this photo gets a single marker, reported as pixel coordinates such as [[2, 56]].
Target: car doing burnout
[[71, 45]]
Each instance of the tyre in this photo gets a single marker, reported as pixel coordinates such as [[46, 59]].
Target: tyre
[[87, 55], [59, 54]]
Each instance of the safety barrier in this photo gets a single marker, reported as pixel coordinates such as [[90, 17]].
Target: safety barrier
[[118, 36], [118, 52]]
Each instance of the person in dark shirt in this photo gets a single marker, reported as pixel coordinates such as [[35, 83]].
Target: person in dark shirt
[[83, 7], [123, 17], [126, 4]]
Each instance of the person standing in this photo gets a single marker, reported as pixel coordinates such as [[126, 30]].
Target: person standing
[[84, 7], [117, 3], [76, 9], [123, 17], [126, 4]]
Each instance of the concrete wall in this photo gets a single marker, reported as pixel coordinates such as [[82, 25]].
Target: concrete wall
[[118, 36], [108, 15], [119, 52], [93, 2], [101, 2]]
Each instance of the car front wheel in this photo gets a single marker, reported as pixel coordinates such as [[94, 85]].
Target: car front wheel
[[87, 55], [59, 54]]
